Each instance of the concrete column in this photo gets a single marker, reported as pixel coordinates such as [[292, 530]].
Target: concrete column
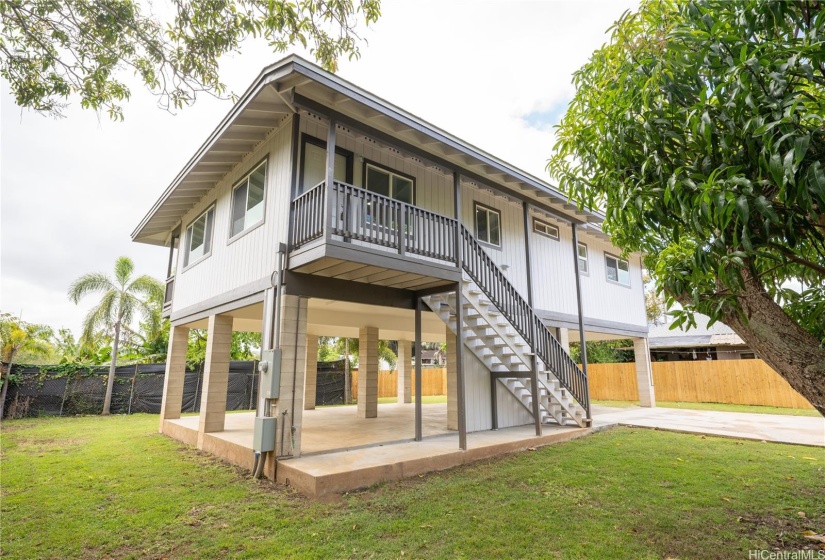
[[215, 376], [288, 408], [368, 372], [404, 371], [644, 372], [452, 382], [564, 339], [175, 371], [311, 380]]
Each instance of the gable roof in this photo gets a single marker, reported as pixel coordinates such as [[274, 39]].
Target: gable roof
[[293, 85]]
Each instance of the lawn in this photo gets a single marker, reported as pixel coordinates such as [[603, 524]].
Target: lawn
[[95, 487], [718, 407]]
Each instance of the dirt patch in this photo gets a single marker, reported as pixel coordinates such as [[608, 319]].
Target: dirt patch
[[783, 532], [39, 446]]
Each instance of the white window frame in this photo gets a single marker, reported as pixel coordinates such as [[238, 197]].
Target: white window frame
[[585, 259], [390, 174], [208, 235], [489, 210], [542, 228], [245, 181], [607, 258]]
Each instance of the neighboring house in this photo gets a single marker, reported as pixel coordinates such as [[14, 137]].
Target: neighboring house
[[703, 342], [318, 209], [432, 358]]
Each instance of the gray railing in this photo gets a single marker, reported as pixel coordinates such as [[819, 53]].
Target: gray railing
[[168, 293], [360, 215], [481, 268], [308, 216]]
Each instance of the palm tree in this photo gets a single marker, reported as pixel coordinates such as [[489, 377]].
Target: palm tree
[[18, 336], [118, 307]]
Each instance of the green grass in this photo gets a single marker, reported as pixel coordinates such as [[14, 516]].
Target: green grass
[[112, 487], [718, 407]]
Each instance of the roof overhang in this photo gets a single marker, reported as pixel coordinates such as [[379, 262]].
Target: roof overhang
[[293, 85]]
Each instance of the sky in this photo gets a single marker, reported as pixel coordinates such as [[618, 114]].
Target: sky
[[495, 73]]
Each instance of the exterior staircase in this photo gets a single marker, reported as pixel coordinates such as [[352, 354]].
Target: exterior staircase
[[502, 330]]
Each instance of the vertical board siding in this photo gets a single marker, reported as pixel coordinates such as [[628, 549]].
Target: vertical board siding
[[512, 251], [750, 382], [248, 258], [433, 189], [477, 391], [554, 283]]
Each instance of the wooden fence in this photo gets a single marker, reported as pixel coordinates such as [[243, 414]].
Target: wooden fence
[[433, 382], [717, 381]]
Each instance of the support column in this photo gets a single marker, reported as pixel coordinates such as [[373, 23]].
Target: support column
[[404, 371], [644, 372], [368, 372], [452, 382], [564, 339], [215, 376], [175, 373], [311, 378], [289, 406]]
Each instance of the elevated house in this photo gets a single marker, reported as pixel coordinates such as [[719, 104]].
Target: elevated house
[[317, 208]]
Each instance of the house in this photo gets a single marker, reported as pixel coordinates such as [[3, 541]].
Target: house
[[316, 208], [432, 358], [702, 342]]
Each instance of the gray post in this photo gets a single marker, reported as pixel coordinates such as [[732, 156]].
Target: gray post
[[582, 341], [534, 366], [294, 187], [457, 215], [330, 178], [459, 368], [418, 388]]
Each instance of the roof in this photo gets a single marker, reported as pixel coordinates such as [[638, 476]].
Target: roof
[[718, 334], [296, 85]]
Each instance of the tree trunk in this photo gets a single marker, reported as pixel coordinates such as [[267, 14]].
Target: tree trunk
[[5, 382], [794, 353], [110, 383]]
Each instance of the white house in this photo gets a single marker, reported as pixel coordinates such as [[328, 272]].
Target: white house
[[317, 208]]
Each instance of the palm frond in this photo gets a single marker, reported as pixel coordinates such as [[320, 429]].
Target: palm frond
[[101, 316], [124, 267], [89, 283], [149, 287]]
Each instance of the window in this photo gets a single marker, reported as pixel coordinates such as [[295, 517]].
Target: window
[[314, 163], [488, 225], [199, 238], [389, 183], [618, 270], [583, 266], [546, 229], [248, 201]]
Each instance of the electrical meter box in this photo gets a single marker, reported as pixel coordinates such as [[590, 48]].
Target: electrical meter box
[[270, 370], [263, 438]]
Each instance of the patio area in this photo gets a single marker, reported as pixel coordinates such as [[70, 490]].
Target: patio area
[[343, 452]]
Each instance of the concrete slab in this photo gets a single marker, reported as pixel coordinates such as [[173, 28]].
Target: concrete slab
[[798, 430]]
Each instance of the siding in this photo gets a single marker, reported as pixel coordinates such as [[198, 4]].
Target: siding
[[554, 283], [248, 258], [477, 393]]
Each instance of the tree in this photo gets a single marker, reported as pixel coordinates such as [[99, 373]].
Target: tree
[[123, 300], [50, 50], [17, 336], [244, 346], [699, 130]]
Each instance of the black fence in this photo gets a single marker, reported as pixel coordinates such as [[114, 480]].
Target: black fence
[[330, 383], [40, 392]]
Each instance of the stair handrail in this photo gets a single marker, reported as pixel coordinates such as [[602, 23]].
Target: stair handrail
[[501, 292]]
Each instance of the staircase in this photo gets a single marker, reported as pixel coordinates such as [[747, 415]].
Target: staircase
[[502, 330]]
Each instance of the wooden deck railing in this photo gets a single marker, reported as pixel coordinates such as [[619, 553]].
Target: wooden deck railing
[[360, 215]]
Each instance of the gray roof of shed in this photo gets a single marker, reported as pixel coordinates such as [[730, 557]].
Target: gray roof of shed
[[718, 334]]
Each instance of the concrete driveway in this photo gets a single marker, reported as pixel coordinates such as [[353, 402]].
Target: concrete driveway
[[798, 430]]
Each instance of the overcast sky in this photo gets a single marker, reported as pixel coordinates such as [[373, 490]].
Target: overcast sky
[[494, 73]]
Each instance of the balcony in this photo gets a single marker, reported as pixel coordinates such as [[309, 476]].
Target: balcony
[[350, 233]]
